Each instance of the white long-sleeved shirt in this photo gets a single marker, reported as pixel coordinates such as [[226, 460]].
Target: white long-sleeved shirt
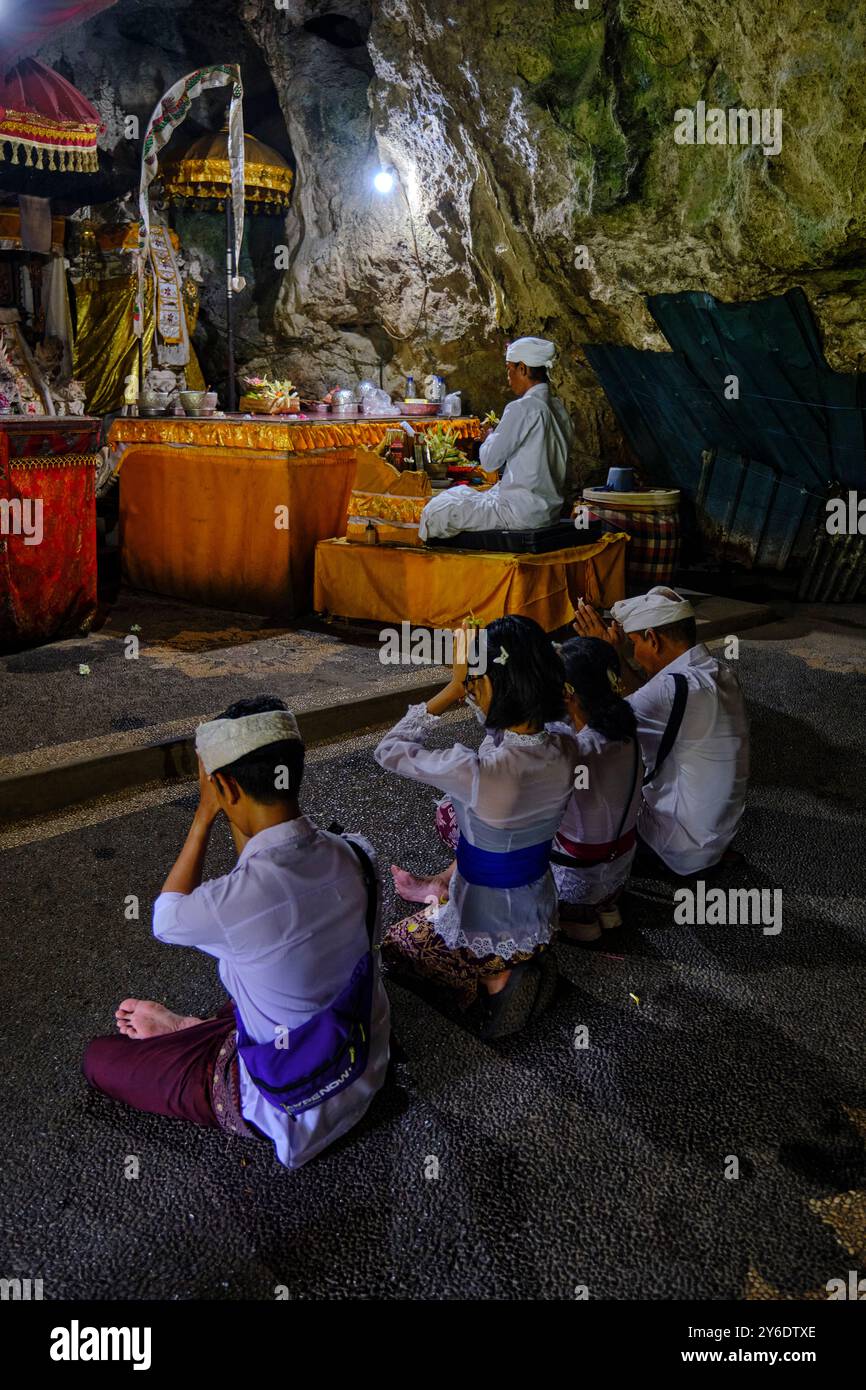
[[288, 926], [691, 811], [508, 795], [530, 449], [604, 807]]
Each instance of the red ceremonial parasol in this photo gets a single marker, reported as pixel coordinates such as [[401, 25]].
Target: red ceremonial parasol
[[45, 122]]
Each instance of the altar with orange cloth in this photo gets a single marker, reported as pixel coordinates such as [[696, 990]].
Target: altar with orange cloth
[[440, 587], [228, 511]]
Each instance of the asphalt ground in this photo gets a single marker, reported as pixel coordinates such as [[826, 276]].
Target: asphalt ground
[[91, 694], [559, 1167], [157, 666]]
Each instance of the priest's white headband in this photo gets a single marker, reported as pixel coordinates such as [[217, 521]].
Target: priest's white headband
[[532, 352], [223, 741], [657, 608]]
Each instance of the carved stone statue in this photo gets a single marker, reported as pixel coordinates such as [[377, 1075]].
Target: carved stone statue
[[76, 398], [130, 394], [70, 399], [163, 379]]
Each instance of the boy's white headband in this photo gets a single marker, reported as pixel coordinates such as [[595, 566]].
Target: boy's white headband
[[222, 741]]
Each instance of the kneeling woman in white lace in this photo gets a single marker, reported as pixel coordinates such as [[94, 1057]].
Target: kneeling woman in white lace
[[493, 912]]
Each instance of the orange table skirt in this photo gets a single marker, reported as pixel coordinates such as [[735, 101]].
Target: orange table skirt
[[438, 588], [230, 528]]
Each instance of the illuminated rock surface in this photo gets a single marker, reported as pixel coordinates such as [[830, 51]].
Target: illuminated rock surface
[[521, 133]]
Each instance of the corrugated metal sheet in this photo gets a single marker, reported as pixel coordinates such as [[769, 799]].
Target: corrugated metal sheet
[[755, 469]]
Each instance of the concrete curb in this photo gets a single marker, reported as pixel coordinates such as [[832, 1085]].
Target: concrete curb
[[46, 790]]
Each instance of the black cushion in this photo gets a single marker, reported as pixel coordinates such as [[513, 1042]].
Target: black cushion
[[560, 536]]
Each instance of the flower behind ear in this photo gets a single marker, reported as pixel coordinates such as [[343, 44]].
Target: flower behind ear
[[616, 684], [501, 659]]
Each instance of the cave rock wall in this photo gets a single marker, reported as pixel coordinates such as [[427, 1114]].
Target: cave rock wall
[[541, 187]]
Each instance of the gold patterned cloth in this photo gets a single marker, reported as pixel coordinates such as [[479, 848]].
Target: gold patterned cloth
[[387, 507], [273, 433], [394, 519]]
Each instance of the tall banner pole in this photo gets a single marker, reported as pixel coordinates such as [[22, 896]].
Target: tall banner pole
[[231, 270]]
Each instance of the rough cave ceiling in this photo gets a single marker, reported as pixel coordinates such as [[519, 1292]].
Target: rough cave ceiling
[[521, 133]]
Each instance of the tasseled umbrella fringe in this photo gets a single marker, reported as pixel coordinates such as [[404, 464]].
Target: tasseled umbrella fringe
[[58, 159]]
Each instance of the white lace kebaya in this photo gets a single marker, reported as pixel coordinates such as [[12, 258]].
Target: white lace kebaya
[[508, 795]]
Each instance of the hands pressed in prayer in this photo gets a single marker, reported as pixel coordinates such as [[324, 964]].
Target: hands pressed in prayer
[[455, 690], [186, 874], [588, 623], [209, 808], [208, 803]]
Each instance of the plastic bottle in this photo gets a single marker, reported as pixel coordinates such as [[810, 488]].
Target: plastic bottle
[[410, 387]]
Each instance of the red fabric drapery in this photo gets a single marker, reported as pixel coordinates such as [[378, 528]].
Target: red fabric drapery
[[47, 583], [25, 24]]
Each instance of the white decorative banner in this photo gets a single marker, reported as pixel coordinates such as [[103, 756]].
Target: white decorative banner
[[171, 339], [170, 112]]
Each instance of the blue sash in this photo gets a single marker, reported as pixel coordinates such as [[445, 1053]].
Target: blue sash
[[512, 868]]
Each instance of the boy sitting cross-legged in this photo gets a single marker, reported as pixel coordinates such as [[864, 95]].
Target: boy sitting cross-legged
[[301, 1047]]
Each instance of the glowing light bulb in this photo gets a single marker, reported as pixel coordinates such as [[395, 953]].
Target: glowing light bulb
[[384, 181]]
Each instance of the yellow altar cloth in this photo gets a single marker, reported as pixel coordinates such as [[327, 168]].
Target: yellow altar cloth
[[439, 588], [376, 475], [231, 528], [198, 499]]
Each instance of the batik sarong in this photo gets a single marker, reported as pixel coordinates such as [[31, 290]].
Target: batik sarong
[[414, 947]]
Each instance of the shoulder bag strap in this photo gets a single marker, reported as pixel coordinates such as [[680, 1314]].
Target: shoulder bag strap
[[368, 873], [681, 692]]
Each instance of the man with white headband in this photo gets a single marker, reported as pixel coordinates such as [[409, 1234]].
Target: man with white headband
[[529, 449], [692, 726], [301, 1048]]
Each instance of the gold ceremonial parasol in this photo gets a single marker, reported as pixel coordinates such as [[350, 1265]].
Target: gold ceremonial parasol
[[203, 174], [203, 178]]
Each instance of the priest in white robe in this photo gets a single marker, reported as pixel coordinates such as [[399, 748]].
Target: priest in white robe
[[529, 449]]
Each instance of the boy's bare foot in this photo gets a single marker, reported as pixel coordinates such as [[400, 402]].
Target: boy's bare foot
[[142, 1018], [419, 890]]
